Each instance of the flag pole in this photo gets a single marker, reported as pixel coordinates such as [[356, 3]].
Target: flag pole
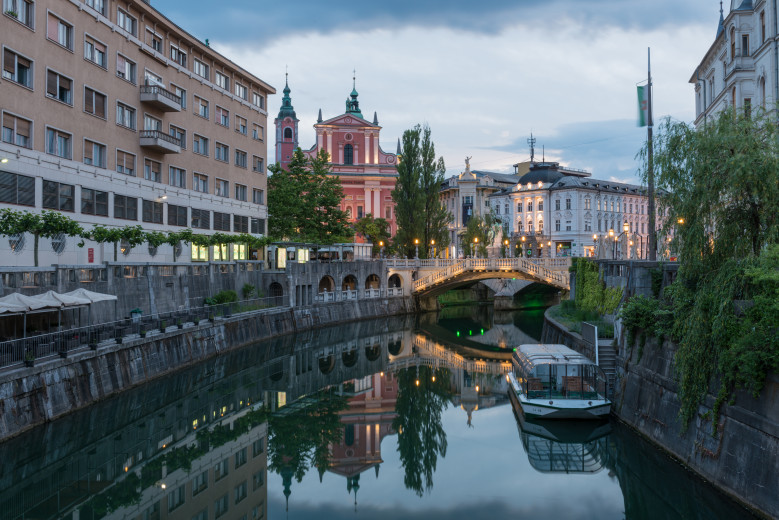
[[652, 245]]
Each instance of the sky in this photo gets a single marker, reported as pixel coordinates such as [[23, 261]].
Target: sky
[[482, 75]]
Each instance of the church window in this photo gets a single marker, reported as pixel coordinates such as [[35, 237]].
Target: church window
[[288, 133], [348, 154]]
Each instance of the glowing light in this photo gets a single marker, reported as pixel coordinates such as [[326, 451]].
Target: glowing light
[[477, 388], [381, 374], [4, 160], [417, 382], [433, 379]]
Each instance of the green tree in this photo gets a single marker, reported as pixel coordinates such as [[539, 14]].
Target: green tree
[[47, 224], [409, 203], [719, 194], [436, 217], [304, 201], [375, 230], [485, 229]]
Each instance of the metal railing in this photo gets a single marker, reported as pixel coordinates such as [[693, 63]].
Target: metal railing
[[342, 296], [159, 134], [63, 342], [156, 89]]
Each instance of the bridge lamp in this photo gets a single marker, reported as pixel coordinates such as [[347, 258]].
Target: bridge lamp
[[680, 221], [416, 248], [626, 226], [381, 248], [611, 232], [477, 389], [433, 379]]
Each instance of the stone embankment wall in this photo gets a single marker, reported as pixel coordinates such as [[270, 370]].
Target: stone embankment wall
[[55, 387], [741, 460]]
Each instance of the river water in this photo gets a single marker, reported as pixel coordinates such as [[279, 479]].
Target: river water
[[395, 418]]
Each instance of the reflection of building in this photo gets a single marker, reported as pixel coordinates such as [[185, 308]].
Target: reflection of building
[[367, 173], [366, 422], [114, 115]]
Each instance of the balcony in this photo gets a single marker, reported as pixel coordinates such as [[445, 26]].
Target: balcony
[[160, 98], [158, 141]]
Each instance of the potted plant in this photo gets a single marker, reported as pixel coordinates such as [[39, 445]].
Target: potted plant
[[180, 323], [163, 325], [93, 342], [135, 315], [196, 320], [118, 338], [143, 333], [13, 13], [211, 316], [29, 359]]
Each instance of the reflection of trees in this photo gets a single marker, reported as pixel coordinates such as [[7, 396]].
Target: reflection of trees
[[421, 437], [299, 440]]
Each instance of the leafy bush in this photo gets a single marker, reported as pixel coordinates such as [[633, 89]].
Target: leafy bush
[[248, 290]]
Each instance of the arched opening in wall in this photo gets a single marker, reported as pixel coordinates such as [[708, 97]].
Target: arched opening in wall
[[276, 372], [348, 154], [326, 284], [326, 364], [395, 347], [288, 133], [350, 358], [275, 290], [372, 282], [373, 352], [349, 283], [395, 282]]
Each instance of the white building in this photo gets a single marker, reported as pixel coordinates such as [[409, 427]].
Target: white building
[[558, 211], [741, 68]]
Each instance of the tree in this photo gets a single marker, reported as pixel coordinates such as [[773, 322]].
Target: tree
[[485, 229], [418, 208], [374, 230], [47, 224], [304, 201]]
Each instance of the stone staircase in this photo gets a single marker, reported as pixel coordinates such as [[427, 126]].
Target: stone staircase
[[607, 360]]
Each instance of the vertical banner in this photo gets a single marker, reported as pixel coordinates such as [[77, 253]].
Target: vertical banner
[[643, 105]]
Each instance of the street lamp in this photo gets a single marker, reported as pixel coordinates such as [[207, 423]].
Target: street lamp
[[594, 245], [475, 246], [381, 249], [416, 248], [432, 247], [505, 247], [522, 250], [625, 229]]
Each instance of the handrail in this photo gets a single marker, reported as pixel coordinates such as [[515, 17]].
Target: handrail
[[157, 89], [159, 134]]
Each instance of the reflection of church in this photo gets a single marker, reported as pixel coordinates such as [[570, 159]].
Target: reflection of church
[[366, 422]]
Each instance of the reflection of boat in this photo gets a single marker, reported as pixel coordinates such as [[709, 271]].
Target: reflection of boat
[[556, 382], [563, 446]]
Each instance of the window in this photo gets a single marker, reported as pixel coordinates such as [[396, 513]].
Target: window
[[631, 207], [541, 226], [557, 205], [258, 164], [587, 203], [497, 209], [94, 153], [200, 483], [220, 506], [360, 212], [125, 163], [567, 225], [97, 5], [221, 223], [600, 227], [59, 87], [59, 31], [587, 225], [17, 189], [152, 211], [221, 188], [258, 132], [94, 102], [127, 22], [201, 219], [221, 152], [176, 497], [177, 215], [258, 226], [348, 153], [152, 170], [201, 106], [125, 68], [17, 131], [181, 93], [540, 205], [200, 145], [258, 447], [567, 203], [258, 196], [240, 125], [222, 81], [21, 10], [762, 27], [387, 212], [258, 479], [154, 40], [241, 91], [240, 158], [17, 68], [745, 45], [200, 182], [530, 206], [258, 99], [125, 115], [519, 207], [747, 107], [180, 134], [220, 469], [199, 253], [240, 192], [200, 68], [241, 490], [178, 177], [177, 55], [732, 43], [222, 116], [624, 207], [151, 123], [125, 207], [94, 202], [58, 196], [95, 52], [557, 225], [58, 143]]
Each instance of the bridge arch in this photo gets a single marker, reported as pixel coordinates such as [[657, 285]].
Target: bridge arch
[[326, 364], [326, 284], [395, 281], [372, 281], [349, 283], [373, 352], [350, 358], [395, 347]]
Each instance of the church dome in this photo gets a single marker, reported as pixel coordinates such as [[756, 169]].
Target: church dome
[[541, 172]]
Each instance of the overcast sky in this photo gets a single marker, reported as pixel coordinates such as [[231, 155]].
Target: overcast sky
[[483, 75]]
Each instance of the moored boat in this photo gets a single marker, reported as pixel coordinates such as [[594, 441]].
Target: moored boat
[[555, 382]]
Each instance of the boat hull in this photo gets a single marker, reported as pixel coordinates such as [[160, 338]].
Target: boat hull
[[561, 409]]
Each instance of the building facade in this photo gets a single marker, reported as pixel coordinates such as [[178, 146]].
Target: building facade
[[557, 211], [740, 69], [114, 115], [367, 173]]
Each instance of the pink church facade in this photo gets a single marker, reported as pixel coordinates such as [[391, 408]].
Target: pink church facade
[[367, 173]]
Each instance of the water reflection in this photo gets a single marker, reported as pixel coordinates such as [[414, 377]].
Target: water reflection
[[331, 413]]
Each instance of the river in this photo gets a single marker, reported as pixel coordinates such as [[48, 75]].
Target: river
[[396, 418]]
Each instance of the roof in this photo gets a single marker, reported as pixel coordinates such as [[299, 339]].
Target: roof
[[544, 353], [542, 172]]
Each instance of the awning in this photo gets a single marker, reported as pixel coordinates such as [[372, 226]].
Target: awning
[[93, 297], [17, 302]]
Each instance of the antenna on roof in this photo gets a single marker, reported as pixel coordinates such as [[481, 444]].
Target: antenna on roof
[[532, 143], [543, 153]]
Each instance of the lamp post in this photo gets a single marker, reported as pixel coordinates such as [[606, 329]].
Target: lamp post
[[625, 230], [381, 249], [549, 245], [522, 249], [613, 249], [416, 248], [505, 247], [475, 247], [594, 245], [432, 248]]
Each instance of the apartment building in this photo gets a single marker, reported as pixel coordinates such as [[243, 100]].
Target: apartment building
[[114, 115]]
